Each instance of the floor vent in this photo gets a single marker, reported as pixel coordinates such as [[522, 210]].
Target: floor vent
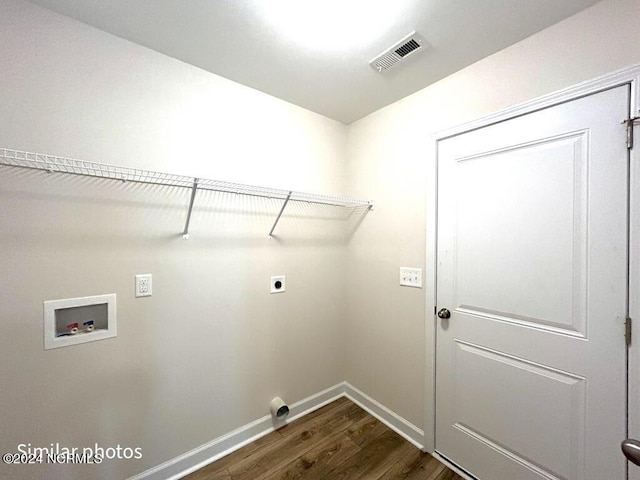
[[414, 42]]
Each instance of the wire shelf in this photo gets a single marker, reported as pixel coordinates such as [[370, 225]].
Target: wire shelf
[[57, 164]]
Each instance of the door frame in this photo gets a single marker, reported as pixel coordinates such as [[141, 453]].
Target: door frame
[[628, 76]]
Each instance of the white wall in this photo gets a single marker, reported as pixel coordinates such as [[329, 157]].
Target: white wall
[[390, 153], [207, 352]]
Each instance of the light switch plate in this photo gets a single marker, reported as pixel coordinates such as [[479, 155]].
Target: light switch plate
[[411, 277]]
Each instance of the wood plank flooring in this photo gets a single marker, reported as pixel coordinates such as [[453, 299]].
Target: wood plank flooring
[[337, 442]]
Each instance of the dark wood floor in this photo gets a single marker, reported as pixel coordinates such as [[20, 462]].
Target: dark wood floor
[[337, 442]]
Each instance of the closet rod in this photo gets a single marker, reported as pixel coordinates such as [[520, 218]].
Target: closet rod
[[57, 164]]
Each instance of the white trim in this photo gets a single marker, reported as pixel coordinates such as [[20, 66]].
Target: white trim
[[430, 299], [630, 75], [211, 451], [620, 77], [634, 291], [452, 466], [395, 422]]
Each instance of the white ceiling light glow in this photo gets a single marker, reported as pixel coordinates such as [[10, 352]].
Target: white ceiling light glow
[[316, 53], [330, 25]]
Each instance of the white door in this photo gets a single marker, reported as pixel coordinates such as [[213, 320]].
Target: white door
[[532, 265]]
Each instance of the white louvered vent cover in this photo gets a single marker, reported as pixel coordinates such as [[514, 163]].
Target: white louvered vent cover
[[414, 42]]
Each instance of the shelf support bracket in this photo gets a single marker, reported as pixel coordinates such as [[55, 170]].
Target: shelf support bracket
[[194, 188], [284, 205]]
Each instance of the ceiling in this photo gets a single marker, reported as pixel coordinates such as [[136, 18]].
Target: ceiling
[[316, 53]]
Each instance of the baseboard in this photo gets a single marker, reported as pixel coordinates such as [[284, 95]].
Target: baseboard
[[205, 454], [391, 419], [453, 466]]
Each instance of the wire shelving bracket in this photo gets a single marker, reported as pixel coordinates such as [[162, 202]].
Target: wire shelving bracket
[[56, 164]]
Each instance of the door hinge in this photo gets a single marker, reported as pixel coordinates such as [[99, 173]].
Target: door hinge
[[627, 331], [630, 122]]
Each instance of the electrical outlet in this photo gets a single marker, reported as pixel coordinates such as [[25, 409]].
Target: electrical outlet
[[143, 285], [411, 277], [278, 284]]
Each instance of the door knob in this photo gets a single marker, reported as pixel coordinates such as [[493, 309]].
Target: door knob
[[444, 313], [631, 450]]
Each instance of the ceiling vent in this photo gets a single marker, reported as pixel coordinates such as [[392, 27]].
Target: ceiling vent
[[412, 43]]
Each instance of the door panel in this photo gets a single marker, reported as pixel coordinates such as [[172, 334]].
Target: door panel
[[532, 242], [540, 209], [549, 406]]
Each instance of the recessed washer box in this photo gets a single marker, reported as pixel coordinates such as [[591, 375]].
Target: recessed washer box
[[79, 320]]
